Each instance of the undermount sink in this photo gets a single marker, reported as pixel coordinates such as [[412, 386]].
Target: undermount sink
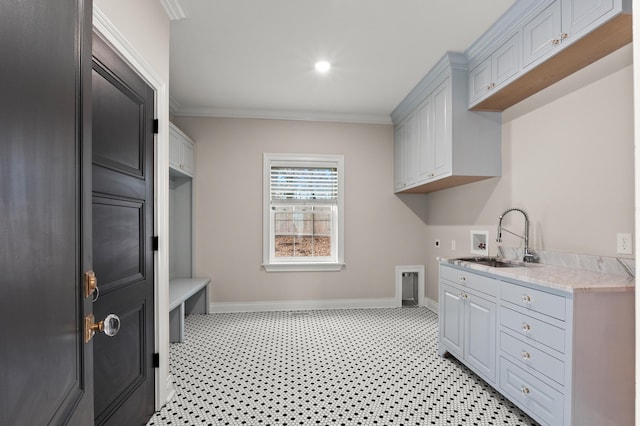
[[494, 262]]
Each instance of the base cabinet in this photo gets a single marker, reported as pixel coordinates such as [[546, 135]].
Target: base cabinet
[[564, 358], [467, 327], [531, 394]]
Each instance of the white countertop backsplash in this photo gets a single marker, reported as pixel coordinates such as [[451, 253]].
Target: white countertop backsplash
[[565, 271]]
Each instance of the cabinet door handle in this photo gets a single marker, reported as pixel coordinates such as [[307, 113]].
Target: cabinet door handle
[[526, 355], [525, 390], [526, 298], [526, 327]]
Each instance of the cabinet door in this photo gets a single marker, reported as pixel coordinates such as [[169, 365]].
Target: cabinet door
[[451, 318], [412, 152], [174, 149], [505, 61], [186, 156], [479, 81], [181, 151], [442, 128], [426, 140], [540, 34], [480, 335], [579, 16], [399, 167]]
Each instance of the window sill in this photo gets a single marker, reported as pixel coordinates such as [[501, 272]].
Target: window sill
[[302, 267]]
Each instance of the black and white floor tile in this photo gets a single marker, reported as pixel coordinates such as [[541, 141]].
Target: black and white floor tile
[[333, 367]]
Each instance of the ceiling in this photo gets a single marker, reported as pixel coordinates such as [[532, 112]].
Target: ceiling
[[255, 58]]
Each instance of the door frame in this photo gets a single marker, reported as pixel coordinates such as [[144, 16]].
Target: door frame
[[164, 390]]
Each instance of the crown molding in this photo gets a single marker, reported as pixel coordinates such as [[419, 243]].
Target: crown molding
[[283, 115], [174, 106], [174, 9]]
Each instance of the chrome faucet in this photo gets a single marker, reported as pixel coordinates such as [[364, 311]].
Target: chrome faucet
[[529, 255]]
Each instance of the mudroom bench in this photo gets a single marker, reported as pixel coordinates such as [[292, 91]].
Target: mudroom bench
[[186, 296]]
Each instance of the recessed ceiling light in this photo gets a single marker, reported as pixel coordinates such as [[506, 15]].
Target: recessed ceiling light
[[323, 66]]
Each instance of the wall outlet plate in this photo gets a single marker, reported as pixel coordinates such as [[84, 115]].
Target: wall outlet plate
[[480, 242], [625, 245]]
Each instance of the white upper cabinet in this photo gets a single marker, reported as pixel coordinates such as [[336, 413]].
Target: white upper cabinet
[[399, 168], [181, 151], [548, 40], [494, 71], [441, 144], [438, 142], [542, 34], [426, 143], [434, 133], [411, 136], [580, 16]]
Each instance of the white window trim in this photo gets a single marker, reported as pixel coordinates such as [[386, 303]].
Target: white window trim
[[307, 160]]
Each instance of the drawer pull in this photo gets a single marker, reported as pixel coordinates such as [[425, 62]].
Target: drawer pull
[[526, 327], [525, 390], [526, 355], [526, 298], [463, 278]]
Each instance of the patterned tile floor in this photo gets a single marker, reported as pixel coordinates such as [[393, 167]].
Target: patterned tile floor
[[333, 367]]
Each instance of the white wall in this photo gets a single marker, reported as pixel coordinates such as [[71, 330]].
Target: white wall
[[567, 160], [144, 23], [380, 231]]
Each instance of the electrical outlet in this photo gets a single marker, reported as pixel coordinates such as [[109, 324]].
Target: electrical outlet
[[624, 244]]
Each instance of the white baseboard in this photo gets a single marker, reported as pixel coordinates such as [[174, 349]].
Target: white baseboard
[[302, 305], [309, 305], [170, 389], [431, 304]]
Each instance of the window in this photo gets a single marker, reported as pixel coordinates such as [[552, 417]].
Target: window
[[303, 212]]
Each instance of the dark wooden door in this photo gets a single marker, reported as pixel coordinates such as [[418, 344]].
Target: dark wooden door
[[123, 202], [45, 229]]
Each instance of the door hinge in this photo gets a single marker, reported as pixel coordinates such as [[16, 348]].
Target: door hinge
[[156, 125], [155, 243], [156, 360]]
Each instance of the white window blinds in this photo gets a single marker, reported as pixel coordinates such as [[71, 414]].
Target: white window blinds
[[304, 184]]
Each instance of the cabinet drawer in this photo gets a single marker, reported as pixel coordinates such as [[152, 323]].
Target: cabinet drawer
[[534, 329], [536, 398], [535, 300], [470, 280], [532, 359]]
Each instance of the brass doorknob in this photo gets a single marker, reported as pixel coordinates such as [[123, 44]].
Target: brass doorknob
[[109, 326]]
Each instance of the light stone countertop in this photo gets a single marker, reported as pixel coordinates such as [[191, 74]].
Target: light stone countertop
[[571, 280]]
